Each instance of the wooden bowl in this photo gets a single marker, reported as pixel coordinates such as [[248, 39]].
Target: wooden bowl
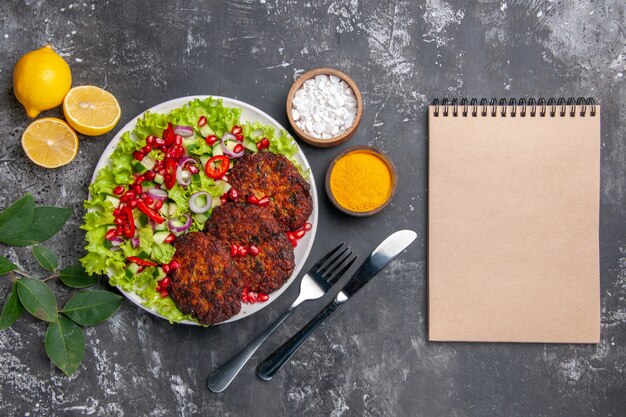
[[386, 160], [337, 140]]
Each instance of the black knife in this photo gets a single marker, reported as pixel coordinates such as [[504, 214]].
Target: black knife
[[387, 251]]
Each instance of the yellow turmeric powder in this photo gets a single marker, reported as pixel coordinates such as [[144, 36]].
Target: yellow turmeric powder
[[361, 181]]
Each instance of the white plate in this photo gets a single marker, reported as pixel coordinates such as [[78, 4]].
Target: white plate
[[248, 114]]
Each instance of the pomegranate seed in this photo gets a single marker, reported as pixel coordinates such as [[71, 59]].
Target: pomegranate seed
[[253, 296], [163, 294], [242, 251], [210, 140], [132, 203], [165, 282], [158, 204], [127, 197], [223, 199], [149, 175], [149, 200], [178, 140], [158, 288], [119, 190], [111, 234], [117, 212], [201, 121], [137, 189], [299, 234], [119, 221], [193, 169], [234, 249], [264, 201], [224, 178], [161, 171], [146, 149], [150, 140], [245, 291], [236, 130], [119, 230], [291, 236], [308, 226], [263, 297], [294, 242], [169, 239], [245, 299], [143, 196], [263, 144], [254, 251], [239, 137], [138, 155], [159, 142], [174, 265], [253, 200], [233, 195], [165, 268], [238, 148]]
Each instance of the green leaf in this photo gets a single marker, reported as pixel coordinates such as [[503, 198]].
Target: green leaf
[[12, 309], [47, 221], [65, 345], [6, 266], [37, 299], [75, 276], [17, 218], [92, 307], [45, 257]]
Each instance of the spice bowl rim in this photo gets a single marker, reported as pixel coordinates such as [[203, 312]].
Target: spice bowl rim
[[345, 135], [388, 161]]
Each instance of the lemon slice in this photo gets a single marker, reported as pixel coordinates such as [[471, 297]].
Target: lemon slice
[[91, 110], [50, 142]]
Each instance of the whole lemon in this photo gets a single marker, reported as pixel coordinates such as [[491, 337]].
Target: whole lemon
[[41, 79]]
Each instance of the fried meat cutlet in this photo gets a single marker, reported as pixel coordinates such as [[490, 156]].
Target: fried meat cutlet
[[207, 284], [266, 174], [250, 225]]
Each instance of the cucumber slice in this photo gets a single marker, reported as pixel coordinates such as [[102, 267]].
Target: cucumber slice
[[250, 145], [217, 149], [201, 217], [160, 227], [113, 200], [204, 159], [143, 254], [206, 130], [138, 167], [163, 209], [158, 273], [158, 178], [132, 268], [172, 210], [230, 144], [159, 237], [148, 163]]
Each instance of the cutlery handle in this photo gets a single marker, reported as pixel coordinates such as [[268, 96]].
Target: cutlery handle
[[224, 375], [276, 360]]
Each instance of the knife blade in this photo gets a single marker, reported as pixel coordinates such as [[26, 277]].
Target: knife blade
[[387, 251]]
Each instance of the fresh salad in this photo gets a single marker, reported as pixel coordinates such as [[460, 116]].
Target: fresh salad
[[163, 180]]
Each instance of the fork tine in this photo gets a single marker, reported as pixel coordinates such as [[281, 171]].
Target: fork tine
[[332, 262], [332, 269], [339, 274], [325, 258]]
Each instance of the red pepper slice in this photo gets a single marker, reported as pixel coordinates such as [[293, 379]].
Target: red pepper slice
[[153, 215], [217, 166], [168, 134], [170, 172], [129, 225], [141, 262]]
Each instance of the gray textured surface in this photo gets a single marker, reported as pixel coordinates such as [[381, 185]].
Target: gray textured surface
[[372, 359]]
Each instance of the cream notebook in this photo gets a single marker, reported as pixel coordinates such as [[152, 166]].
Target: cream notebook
[[513, 245]]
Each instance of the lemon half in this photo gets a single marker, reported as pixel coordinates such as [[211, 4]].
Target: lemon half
[[90, 110], [50, 142]]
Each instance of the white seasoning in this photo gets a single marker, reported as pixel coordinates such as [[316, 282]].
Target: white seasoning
[[324, 107]]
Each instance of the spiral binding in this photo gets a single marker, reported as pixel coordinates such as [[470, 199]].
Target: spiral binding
[[542, 107]]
